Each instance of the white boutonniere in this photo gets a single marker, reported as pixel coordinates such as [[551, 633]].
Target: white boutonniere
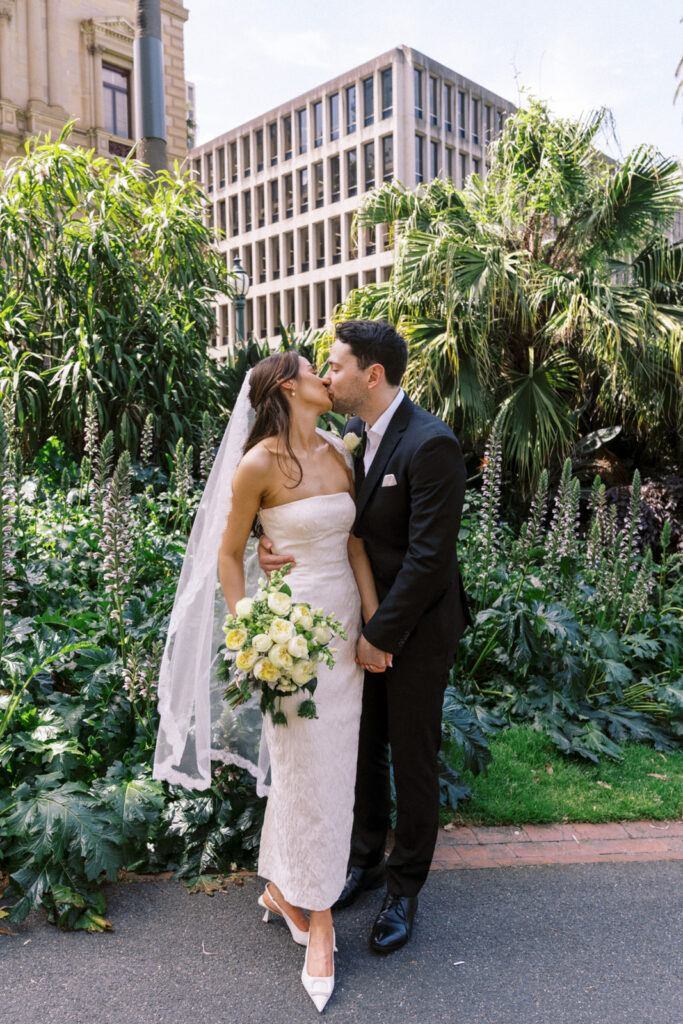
[[353, 443]]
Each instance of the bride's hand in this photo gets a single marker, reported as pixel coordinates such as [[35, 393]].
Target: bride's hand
[[371, 658], [269, 561]]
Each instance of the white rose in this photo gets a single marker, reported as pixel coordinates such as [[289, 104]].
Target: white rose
[[298, 647], [266, 671], [280, 630], [243, 608], [286, 687], [302, 672], [322, 634], [262, 642], [280, 656], [301, 616], [351, 441], [279, 602]]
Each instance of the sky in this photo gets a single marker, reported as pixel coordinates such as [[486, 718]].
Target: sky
[[245, 58]]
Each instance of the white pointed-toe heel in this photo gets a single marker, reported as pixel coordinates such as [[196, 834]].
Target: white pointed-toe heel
[[319, 989], [298, 935]]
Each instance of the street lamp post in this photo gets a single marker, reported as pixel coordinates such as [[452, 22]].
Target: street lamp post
[[240, 287], [148, 63]]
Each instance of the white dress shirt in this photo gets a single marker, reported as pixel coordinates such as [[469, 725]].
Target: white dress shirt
[[376, 432]]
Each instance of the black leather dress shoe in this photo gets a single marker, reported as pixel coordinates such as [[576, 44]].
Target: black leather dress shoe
[[359, 880], [394, 924]]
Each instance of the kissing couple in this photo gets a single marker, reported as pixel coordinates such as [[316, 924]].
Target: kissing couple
[[369, 524]]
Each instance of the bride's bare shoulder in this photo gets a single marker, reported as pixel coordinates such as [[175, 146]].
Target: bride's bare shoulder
[[256, 465]]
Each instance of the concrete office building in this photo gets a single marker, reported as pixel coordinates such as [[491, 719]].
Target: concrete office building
[[64, 59], [284, 186]]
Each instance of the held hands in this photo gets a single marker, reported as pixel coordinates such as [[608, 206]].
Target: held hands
[[371, 658], [269, 561]]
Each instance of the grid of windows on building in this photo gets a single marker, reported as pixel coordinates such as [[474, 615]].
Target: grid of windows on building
[[320, 189], [116, 88]]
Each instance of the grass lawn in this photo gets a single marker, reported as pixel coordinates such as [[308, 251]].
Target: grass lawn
[[527, 780]]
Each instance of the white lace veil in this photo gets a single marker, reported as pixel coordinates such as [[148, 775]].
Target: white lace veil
[[196, 725]]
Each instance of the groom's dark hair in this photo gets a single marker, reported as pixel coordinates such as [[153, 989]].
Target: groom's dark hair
[[376, 341]]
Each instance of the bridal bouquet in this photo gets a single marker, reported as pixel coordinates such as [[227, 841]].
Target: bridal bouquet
[[276, 645]]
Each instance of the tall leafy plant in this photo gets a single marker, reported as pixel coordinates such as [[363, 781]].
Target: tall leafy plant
[[106, 288], [546, 293]]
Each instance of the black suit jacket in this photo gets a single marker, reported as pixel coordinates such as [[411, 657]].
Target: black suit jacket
[[410, 530]]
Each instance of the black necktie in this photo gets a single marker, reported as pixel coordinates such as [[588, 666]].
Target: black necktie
[[360, 468]]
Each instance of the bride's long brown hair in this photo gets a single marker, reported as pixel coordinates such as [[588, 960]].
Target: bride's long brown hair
[[270, 405]]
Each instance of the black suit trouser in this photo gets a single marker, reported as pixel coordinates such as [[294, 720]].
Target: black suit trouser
[[401, 710]]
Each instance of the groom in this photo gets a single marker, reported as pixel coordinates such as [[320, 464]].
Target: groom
[[410, 484]]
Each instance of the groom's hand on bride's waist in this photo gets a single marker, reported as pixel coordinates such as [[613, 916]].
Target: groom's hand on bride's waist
[[268, 560], [371, 658]]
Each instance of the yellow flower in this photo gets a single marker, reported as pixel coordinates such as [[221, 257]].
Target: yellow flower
[[279, 602], [266, 671], [280, 656], [234, 638], [301, 616], [246, 659], [281, 631]]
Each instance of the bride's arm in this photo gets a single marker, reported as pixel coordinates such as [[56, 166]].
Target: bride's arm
[[360, 563], [248, 487]]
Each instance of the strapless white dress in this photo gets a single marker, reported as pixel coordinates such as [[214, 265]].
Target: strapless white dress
[[307, 827]]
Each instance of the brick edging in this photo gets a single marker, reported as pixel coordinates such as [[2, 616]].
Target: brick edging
[[461, 846]]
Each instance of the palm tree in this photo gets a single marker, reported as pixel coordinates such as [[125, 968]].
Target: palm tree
[[546, 292]]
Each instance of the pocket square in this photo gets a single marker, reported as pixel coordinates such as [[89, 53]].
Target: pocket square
[[389, 480]]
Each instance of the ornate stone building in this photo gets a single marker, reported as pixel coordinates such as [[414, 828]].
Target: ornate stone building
[[64, 59]]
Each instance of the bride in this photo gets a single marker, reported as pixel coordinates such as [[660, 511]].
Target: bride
[[298, 482]]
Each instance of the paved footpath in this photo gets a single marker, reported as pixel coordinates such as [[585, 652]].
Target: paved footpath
[[527, 943], [508, 846]]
